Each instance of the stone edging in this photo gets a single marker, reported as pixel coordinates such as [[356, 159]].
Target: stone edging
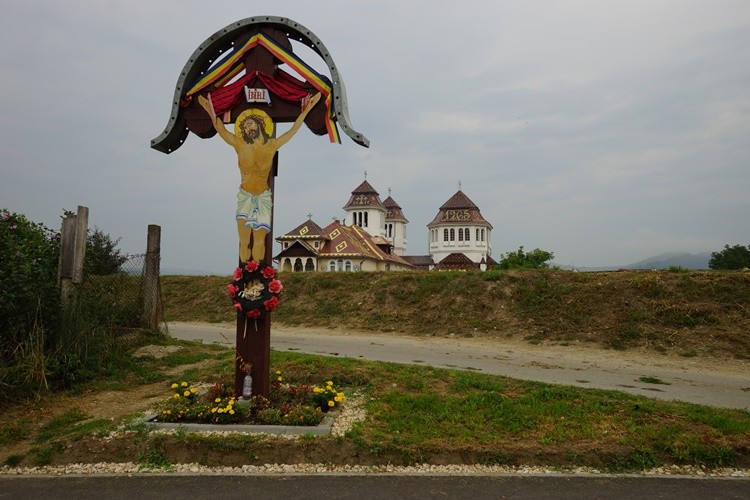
[[322, 429]]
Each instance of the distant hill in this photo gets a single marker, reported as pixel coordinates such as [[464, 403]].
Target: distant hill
[[662, 261], [677, 259], [177, 271]]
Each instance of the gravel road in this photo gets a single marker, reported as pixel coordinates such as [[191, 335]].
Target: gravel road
[[714, 382]]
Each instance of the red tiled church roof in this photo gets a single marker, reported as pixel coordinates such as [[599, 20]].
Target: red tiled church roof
[[459, 200], [456, 261], [459, 210], [353, 241], [394, 212], [365, 196], [306, 230]]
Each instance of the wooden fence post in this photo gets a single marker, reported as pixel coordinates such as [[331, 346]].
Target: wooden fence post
[[151, 288], [73, 235]]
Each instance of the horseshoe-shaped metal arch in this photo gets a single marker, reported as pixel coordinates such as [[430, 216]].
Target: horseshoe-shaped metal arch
[[176, 131]]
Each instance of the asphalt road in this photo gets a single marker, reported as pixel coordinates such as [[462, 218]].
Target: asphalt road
[[696, 380], [360, 487]]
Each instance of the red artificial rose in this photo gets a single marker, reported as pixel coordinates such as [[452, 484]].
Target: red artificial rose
[[275, 286], [237, 273], [251, 266], [271, 304], [268, 272], [254, 314], [238, 306], [232, 290]]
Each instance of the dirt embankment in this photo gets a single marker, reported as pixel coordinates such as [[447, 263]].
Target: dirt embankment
[[692, 314]]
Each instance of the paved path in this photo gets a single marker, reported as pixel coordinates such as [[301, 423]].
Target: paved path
[[358, 487], [724, 384]]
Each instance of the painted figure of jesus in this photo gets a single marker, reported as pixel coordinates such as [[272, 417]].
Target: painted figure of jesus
[[255, 147]]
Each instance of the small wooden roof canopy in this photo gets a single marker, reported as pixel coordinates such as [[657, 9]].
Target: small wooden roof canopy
[[187, 116]]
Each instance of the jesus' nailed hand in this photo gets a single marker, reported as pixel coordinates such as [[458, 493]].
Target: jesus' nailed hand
[[255, 150]]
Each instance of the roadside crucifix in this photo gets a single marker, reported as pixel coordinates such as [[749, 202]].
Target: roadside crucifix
[[237, 76]]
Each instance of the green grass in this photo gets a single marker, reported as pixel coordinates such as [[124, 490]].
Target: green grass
[[13, 432], [426, 414], [73, 424], [420, 410]]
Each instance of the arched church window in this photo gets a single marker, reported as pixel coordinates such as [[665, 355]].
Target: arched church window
[[460, 234], [348, 265], [365, 220], [332, 265], [297, 265], [309, 265], [453, 234], [340, 265], [445, 234]]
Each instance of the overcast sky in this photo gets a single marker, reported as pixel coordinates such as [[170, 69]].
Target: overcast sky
[[603, 131]]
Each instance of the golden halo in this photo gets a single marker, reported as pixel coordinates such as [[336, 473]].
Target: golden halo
[[268, 124]]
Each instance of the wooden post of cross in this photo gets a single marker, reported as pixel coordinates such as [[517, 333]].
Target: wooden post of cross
[[253, 339]]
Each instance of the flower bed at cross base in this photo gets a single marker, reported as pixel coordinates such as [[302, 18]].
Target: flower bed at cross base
[[287, 404]]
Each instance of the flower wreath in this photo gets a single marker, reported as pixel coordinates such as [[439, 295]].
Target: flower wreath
[[255, 289]]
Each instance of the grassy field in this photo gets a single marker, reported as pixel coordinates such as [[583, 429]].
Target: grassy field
[[413, 415], [417, 414]]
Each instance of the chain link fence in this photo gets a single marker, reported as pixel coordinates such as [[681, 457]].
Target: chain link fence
[[123, 295]]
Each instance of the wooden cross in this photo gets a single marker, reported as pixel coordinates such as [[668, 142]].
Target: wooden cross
[[253, 337]]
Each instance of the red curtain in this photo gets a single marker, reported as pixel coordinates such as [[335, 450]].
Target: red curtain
[[284, 87]]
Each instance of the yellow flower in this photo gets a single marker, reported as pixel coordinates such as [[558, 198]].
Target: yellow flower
[[174, 386], [329, 382], [331, 404], [278, 372], [193, 390], [186, 393], [169, 412], [213, 410], [176, 396], [217, 400], [184, 384], [231, 412], [279, 379]]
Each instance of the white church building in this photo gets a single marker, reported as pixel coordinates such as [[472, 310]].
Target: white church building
[[459, 233], [372, 237]]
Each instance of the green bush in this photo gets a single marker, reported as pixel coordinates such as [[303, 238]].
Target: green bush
[[29, 301], [735, 257], [43, 345], [535, 259], [28, 274]]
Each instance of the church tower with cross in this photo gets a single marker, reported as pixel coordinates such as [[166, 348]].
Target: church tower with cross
[[395, 225], [364, 209]]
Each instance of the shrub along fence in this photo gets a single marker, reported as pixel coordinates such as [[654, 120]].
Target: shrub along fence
[[49, 343]]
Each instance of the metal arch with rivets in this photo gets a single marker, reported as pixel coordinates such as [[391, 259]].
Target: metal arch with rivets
[[176, 130]]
